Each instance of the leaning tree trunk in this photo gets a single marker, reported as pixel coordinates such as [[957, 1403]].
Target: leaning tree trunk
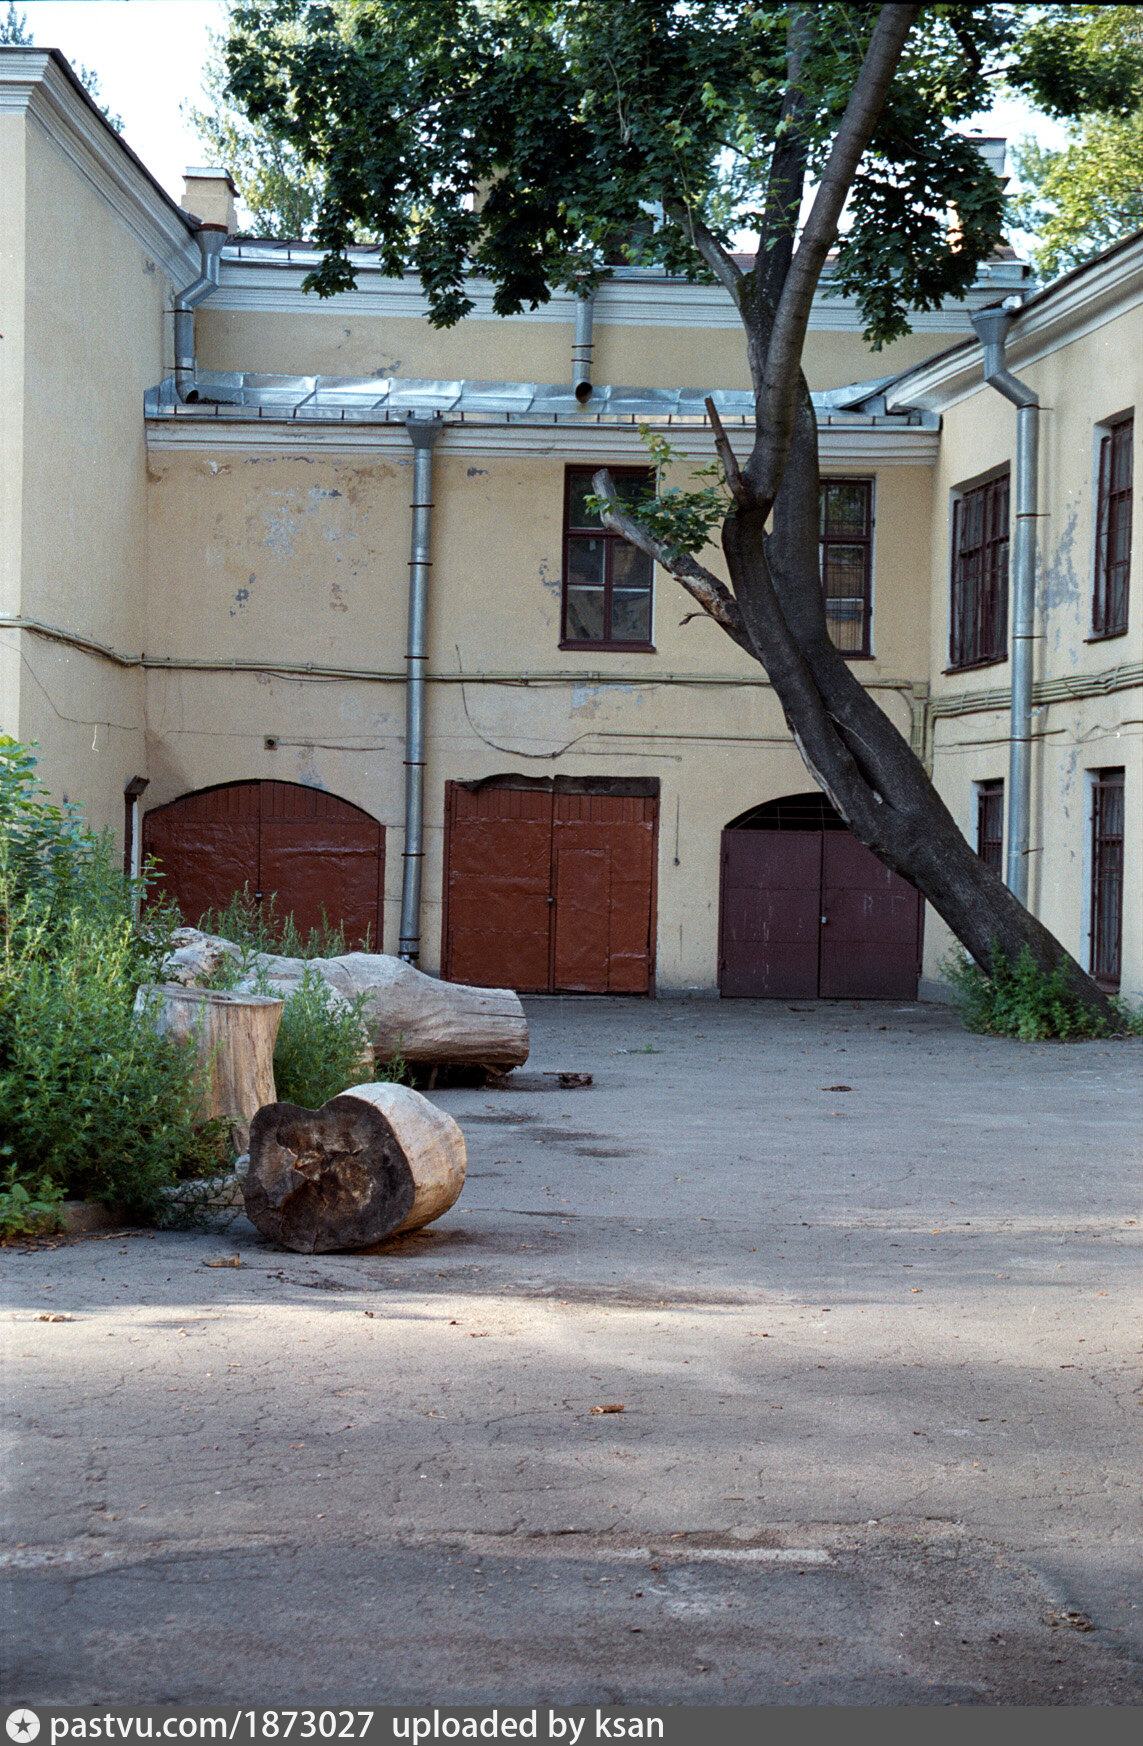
[[852, 749], [234, 1035], [373, 1162]]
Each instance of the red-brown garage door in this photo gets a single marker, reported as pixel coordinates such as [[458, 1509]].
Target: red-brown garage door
[[807, 911], [312, 850], [550, 886]]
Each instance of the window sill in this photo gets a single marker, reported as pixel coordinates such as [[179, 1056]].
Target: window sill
[[975, 666], [609, 648], [1106, 636], [857, 654]]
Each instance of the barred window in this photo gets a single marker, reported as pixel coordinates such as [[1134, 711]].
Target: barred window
[[1113, 528], [978, 630], [990, 825], [846, 535], [1107, 876]]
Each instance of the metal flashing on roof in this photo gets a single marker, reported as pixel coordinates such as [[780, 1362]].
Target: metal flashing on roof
[[243, 396]]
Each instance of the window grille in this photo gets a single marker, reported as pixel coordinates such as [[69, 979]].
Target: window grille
[[978, 632], [990, 825], [1107, 877], [846, 535], [1113, 543]]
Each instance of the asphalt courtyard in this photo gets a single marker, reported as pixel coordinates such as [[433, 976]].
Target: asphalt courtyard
[[866, 1290]]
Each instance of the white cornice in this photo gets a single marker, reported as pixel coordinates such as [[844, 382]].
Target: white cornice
[[1079, 304], [274, 287], [868, 446], [35, 84]]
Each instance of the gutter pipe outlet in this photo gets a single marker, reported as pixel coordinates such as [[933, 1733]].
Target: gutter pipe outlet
[[423, 433], [992, 327], [582, 346], [210, 239]]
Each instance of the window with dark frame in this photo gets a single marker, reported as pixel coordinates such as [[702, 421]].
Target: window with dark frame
[[978, 618], [990, 825], [1113, 531], [1107, 877], [846, 536], [607, 580]]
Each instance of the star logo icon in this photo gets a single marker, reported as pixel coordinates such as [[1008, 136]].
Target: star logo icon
[[22, 1725]]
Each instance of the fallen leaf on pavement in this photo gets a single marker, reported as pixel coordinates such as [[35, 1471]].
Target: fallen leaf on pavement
[[225, 1261], [615, 1407], [54, 1316]]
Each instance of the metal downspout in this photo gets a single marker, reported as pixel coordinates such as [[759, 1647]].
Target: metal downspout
[[423, 433], [992, 326], [582, 347], [210, 239]]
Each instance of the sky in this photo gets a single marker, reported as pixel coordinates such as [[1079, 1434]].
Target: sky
[[148, 55]]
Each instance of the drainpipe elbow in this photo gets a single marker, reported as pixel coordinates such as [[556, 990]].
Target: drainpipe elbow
[[991, 328], [210, 239]]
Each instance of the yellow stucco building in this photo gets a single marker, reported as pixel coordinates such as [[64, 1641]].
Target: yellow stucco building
[[205, 588]]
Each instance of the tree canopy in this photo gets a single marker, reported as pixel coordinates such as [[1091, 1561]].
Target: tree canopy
[[1088, 195], [520, 139]]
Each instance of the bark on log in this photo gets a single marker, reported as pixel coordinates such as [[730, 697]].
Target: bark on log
[[424, 1019], [428, 1021], [234, 1035], [375, 1161]]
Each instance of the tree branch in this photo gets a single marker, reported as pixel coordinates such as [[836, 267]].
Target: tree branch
[[786, 181], [726, 455], [700, 583], [725, 269], [778, 394]]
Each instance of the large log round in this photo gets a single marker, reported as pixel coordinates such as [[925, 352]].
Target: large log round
[[375, 1160]]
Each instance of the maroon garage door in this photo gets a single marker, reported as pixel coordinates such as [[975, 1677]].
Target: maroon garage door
[[807, 911], [309, 848], [549, 886]]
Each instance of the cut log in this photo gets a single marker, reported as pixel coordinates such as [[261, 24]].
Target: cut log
[[372, 1162], [234, 1035], [425, 1020], [417, 1016]]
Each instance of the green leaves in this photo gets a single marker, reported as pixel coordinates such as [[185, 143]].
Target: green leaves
[[321, 1047], [682, 520], [538, 142], [1083, 61]]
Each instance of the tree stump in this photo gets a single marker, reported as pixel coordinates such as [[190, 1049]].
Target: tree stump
[[374, 1161], [234, 1035]]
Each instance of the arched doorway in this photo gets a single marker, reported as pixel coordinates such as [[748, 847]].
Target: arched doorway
[[309, 848], [806, 911]]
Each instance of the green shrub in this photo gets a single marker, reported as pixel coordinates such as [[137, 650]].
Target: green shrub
[[321, 1045], [27, 1207], [93, 1104], [257, 927], [1020, 1000]]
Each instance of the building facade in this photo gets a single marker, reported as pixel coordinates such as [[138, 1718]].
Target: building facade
[[204, 619]]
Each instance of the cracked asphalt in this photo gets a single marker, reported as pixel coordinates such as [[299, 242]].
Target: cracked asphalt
[[866, 1289]]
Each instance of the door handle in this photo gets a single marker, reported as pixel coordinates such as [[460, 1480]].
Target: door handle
[[825, 919]]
